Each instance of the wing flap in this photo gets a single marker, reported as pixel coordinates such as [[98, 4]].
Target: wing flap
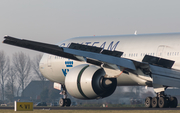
[[85, 48], [165, 76], [112, 53], [165, 81], [158, 61], [95, 50]]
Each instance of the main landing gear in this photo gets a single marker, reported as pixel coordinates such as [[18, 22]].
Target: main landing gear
[[161, 101], [64, 101]]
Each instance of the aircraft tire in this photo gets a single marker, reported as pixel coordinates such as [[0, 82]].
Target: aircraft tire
[[148, 102], [155, 102], [173, 102], [67, 102], [61, 102], [163, 102]]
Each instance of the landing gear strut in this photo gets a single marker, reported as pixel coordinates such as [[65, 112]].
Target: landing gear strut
[[161, 101], [64, 101]]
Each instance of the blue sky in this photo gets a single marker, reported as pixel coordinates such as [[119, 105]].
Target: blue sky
[[52, 21]]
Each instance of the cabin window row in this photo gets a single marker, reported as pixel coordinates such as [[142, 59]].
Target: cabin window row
[[172, 53], [136, 54]]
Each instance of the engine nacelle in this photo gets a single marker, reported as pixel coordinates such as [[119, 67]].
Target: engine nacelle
[[88, 82]]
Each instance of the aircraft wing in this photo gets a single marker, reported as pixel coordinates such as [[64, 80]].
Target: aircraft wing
[[75, 52], [38, 46], [159, 69]]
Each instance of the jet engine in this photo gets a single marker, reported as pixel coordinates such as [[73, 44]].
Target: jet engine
[[88, 82]]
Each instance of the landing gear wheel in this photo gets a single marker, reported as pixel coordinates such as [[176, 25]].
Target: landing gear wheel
[[61, 102], [67, 102], [173, 102], [64, 102], [163, 102], [167, 99], [155, 102], [148, 102]]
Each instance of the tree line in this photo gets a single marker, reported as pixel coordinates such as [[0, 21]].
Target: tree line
[[15, 73]]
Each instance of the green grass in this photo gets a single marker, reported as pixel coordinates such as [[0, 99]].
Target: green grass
[[92, 111]]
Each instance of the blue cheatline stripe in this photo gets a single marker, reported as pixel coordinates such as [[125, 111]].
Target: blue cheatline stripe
[[78, 81]]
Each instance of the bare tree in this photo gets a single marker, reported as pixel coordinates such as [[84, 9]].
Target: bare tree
[[18, 89], [10, 86], [35, 67], [4, 66], [22, 66]]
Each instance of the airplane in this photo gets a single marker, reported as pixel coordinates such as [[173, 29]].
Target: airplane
[[92, 67]]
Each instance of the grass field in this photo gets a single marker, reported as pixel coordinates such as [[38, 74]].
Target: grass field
[[93, 111]]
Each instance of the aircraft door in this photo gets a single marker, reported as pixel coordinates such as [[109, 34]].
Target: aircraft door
[[161, 51], [49, 61], [49, 65]]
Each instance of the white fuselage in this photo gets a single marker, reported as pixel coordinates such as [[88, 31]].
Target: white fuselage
[[135, 47]]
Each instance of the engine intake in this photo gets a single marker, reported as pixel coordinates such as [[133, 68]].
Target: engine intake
[[88, 82]]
